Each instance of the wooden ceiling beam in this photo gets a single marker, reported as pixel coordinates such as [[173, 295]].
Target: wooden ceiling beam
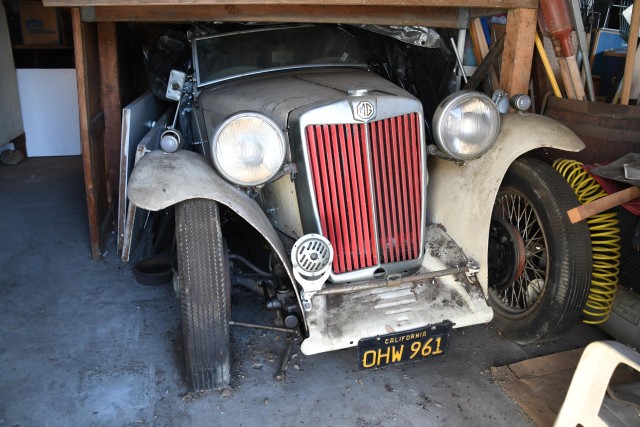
[[439, 17], [495, 4]]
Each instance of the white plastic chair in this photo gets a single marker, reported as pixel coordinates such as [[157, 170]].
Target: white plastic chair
[[590, 380]]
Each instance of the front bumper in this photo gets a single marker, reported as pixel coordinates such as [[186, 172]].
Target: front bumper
[[340, 321]]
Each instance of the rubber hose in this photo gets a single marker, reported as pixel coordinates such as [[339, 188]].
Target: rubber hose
[[605, 242]]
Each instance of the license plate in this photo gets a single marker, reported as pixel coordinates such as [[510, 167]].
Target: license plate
[[404, 347]]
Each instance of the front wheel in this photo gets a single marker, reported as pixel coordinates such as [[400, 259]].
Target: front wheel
[[539, 263], [205, 294]]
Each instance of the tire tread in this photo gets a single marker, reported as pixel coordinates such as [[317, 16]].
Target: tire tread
[[205, 294]]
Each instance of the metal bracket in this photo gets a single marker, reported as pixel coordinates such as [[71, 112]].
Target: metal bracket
[[88, 14], [433, 150], [394, 280], [281, 375], [291, 169], [472, 272], [306, 300], [287, 169], [463, 18]]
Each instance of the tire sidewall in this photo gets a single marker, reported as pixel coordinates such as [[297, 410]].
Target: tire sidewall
[[530, 179]]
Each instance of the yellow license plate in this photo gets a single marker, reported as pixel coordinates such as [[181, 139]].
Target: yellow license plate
[[404, 347]]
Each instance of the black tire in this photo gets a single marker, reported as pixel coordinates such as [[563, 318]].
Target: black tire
[[205, 294], [539, 263]]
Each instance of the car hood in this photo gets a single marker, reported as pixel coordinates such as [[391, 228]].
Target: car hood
[[277, 95]]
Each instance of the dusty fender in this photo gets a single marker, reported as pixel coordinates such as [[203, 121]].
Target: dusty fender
[[461, 197], [160, 180]]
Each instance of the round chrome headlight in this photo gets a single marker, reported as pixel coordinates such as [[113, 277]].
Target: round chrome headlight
[[466, 125], [248, 149]]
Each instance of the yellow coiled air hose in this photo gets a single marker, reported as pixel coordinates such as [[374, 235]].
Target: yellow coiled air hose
[[605, 238]]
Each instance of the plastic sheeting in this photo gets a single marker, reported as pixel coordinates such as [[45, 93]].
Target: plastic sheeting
[[415, 35]]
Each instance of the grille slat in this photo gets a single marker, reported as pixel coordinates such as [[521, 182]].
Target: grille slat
[[370, 247], [353, 196], [333, 177], [417, 183], [336, 190], [350, 207], [411, 191], [406, 238], [346, 200], [397, 180]]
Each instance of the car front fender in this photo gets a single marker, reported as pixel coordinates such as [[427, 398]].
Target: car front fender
[[160, 180], [461, 198]]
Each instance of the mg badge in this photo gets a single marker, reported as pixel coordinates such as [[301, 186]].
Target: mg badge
[[365, 110]]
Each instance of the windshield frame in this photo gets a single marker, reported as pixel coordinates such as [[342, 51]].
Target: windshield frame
[[196, 65]]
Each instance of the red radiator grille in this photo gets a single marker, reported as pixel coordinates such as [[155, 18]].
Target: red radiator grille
[[348, 211]]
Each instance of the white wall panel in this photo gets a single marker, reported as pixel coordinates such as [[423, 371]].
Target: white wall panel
[[49, 103]]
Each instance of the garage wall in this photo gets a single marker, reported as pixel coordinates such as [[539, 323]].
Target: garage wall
[[10, 119]]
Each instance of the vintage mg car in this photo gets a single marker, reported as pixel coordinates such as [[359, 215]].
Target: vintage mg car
[[365, 216]]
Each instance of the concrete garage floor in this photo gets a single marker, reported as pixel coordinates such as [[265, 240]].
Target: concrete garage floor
[[82, 343]]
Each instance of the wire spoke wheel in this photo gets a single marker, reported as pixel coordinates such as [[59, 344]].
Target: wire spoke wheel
[[539, 263], [523, 289]]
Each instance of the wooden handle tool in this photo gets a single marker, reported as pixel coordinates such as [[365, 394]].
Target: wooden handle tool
[[603, 204]]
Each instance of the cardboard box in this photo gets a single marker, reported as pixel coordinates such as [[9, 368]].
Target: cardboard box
[[39, 24]]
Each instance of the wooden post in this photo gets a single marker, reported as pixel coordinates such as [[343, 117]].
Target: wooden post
[[518, 51], [111, 104], [85, 41], [631, 54]]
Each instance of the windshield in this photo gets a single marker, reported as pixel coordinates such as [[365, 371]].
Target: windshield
[[224, 56]]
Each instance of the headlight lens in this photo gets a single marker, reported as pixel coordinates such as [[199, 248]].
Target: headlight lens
[[466, 125], [248, 149]]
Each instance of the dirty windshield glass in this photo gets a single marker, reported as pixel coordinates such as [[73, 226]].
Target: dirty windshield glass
[[225, 56]]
